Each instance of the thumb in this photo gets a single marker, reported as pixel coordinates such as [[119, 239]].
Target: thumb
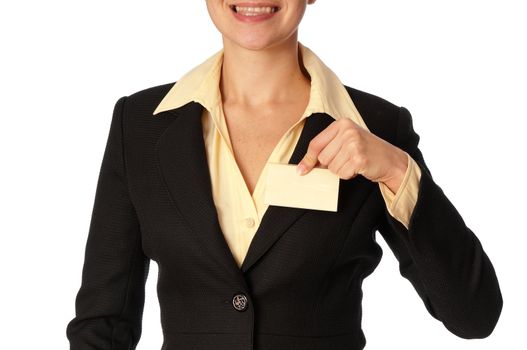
[[307, 163], [316, 145]]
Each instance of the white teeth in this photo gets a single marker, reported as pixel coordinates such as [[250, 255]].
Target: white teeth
[[254, 11]]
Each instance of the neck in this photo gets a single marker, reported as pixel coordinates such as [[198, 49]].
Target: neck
[[259, 77]]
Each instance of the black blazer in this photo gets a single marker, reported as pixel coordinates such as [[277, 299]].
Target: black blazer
[[300, 284]]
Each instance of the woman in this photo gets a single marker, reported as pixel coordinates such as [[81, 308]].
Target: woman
[[184, 182]]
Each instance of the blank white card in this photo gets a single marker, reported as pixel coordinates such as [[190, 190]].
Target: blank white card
[[318, 189]]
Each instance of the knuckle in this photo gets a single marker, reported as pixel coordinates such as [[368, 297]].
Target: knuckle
[[361, 160], [360, 149], [348, 122], [350, 147], [349, 133], [345, 177], [314, 144], [343, 174], [322, 158]]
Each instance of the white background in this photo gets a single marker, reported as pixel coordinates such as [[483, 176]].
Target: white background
[[458, 66]]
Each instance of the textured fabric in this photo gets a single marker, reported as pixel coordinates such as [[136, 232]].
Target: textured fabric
[[240, 213], [304, 269]]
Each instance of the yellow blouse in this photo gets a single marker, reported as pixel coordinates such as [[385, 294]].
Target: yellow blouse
[[239, 213]]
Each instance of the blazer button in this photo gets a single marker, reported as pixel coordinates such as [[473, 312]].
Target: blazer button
[[240, 301]]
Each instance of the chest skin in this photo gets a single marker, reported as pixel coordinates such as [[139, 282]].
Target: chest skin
[[255, 132]]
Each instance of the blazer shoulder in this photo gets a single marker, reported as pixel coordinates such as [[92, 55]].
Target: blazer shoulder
[[380, 115], [138, 110], [141, 128], [146, 100]]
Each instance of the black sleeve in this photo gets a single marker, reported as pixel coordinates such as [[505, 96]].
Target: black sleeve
[[109, 303], [441, 256]]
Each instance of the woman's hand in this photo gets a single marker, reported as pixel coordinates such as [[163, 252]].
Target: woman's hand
[[348, 150]]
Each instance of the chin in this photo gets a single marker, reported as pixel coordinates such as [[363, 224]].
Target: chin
[[258, 42], [255, 45]]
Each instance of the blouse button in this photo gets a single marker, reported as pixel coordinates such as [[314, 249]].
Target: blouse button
[[249, 222]]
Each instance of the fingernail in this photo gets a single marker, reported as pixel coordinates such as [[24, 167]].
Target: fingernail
[[300, 169]]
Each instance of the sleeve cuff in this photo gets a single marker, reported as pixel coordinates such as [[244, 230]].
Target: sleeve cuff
[[401, 205]]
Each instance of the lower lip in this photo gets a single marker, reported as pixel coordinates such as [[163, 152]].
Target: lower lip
[[257, 18]]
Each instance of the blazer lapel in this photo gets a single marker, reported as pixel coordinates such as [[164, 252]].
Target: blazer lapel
[[183, 165], [182, 161]]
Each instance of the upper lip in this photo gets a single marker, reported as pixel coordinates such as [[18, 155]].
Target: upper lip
[[254, 4]]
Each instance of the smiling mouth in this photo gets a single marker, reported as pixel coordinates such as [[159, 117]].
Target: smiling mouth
[[253, 10]]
